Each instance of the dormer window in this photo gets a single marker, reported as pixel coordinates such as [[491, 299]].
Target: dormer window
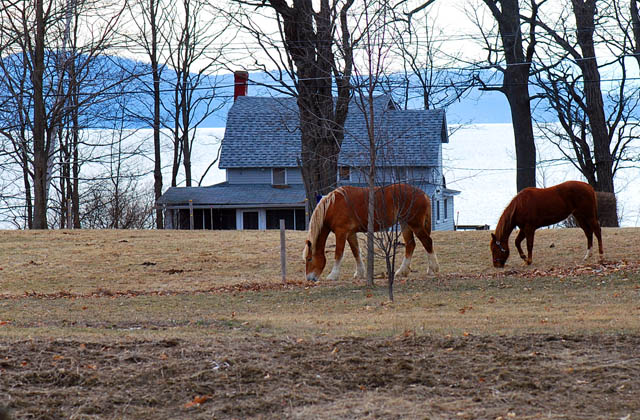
[[344, 173], [279, 176]]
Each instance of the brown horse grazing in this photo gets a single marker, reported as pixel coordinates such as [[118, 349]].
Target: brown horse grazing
[[344, 212], [532, 208]]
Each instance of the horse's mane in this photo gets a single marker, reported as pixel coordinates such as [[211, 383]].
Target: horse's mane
[[505, 224], [317, 219]]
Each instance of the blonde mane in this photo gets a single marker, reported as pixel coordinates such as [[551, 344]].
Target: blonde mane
[[317, 220]]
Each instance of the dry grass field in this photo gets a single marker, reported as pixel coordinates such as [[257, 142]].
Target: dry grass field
[[179, 324]]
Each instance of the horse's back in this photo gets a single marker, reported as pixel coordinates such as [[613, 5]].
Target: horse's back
[[350, 210], [580, 195], [546, 206]]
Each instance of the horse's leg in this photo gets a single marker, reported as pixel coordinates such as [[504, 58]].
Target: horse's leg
[[355, 249], [519, 239], [425, 238], [341, 237], [588, 232], [529, 233], [409, 246], [596, 229]]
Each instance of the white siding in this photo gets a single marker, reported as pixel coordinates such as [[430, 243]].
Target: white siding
[[444, 222], [249, 176], [294, 176]]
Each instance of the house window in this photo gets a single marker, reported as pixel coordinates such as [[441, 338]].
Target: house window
[[279, 176], [438, 210], [445, 208], [344, 173]]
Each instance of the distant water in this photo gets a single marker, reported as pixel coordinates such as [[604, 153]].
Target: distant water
[[479, 161]]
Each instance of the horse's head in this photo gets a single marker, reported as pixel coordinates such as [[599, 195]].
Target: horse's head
[[499, 250], [314, 262]]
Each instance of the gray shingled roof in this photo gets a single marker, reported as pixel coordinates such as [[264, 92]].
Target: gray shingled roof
[[263, 132], [225, 194]]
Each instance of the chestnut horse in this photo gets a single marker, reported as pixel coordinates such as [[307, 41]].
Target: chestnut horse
[[532, 208], [344, 212]]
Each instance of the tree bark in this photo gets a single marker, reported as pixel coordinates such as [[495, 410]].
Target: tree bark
[[40, 157], [309, 40], [155, 74], [515, 86], [635, 22], [584, 12]]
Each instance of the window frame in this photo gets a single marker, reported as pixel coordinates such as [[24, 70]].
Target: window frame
[[284, 172], [340, 169]]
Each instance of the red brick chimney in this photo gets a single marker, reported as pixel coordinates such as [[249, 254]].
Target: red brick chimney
[[240, 86]]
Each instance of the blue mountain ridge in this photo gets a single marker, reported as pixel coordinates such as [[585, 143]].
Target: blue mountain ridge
[[134, 95]]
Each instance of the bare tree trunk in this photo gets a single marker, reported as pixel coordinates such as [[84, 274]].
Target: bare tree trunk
[[309, 38], [155, 74], [372, 181], [40, 157], [177, 152], [635, 22], [187, 48], [515, 85], [27, 189], [517, 93], [584, 12], [186, 147]]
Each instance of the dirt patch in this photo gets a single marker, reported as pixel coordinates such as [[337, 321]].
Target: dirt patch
[[489, 377]]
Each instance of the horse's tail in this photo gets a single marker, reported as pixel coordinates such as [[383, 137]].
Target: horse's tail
[[595, 202], [427, 217]]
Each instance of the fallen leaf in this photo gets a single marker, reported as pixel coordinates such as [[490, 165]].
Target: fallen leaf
[[197, 400]]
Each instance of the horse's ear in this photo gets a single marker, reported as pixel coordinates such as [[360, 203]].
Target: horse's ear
[[494, 237]]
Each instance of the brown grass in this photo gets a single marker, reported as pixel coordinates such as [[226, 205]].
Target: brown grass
[[198, 325], [168, 282]]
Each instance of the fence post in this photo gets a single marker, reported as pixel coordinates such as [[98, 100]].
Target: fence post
[[283, 252], [191, 214]]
